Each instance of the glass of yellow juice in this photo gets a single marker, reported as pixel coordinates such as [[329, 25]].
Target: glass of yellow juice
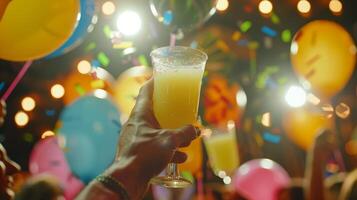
[[222, 151], [178, 75]]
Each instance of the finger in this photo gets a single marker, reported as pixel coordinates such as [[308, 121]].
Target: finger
[[179, 157], [182, 137], [144, 99]]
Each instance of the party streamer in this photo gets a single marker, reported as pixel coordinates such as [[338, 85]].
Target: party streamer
[[17, 79]]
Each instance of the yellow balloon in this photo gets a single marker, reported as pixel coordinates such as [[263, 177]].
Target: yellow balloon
[[31, 29], [127, 87], [193, 163], [302, 125], [323, 54]]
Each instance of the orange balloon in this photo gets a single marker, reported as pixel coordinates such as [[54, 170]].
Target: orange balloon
[[193, 163], [77, 84], [302, 125], [323, 54]]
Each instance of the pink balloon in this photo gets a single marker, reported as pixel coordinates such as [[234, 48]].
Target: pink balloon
[[47, 157], [260, 179]]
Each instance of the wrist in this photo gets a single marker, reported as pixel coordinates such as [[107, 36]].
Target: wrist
[[129, 175]]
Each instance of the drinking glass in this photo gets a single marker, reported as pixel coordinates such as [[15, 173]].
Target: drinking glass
[[178, 75], [222, 150]]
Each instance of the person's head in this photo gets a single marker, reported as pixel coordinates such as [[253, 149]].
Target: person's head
[[349, 187], [7, 169], [295, 191], [42, 187]]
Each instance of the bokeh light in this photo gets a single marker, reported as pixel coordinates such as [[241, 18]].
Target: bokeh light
[[335, 6], [295, 96], [21, 118], [342, 110], [108, 8], [227, 180], [304, 6], [47, 133], [84, 67], [222, 5], [129, 23], [313, 99], [57, 91], [241, 98], [266, 120], [28, 104], [265, 7]]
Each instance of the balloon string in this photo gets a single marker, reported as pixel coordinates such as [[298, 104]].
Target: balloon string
[[17, 79], [172, 39]]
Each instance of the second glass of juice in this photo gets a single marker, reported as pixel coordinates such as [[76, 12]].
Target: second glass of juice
[[178, 75]]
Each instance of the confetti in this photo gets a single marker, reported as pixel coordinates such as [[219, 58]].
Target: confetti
[[245, 26], [95, 63], [275, 19], [286, 36], [91, 46], [79, 89], [123, 45], [50, 112], [27, 137], [269, 31], [107, 31], [194, 44], [143, 61], [97, 84], [2, 85], [167, 17], [103, 59], [243, 42], [271, 137], [223, 46], [236, 36]]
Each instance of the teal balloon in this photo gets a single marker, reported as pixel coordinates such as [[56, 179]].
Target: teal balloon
[[184, 15], [90, 127], [84, 26]]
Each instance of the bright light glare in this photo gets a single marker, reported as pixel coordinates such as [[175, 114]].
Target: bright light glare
[[21, 118], [295, 96], [265, 7], [304, 6], [266, 121], [129, 23], [227, 180], [222, 5], [241, 98], [222, 174], [28, 103], [267, 164], [99, 93], [84, 67], [47, 134], [57, 91], [335, 6], [108, 8]]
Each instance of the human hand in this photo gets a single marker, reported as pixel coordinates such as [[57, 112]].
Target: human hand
[[144, 149], [7, 168], [2, 111]]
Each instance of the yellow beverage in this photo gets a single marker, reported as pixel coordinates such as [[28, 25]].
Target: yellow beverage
[[222, 152], [176, 96]]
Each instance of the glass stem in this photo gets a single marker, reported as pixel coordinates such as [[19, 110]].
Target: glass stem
[[172, 170]]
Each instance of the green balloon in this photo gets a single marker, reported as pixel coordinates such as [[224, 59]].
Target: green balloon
[[183, 15]]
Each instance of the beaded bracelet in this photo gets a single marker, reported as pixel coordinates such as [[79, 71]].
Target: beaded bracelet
[[114, 185]]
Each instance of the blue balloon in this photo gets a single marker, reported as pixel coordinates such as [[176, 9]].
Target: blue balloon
[[90, 127], [83, 27]]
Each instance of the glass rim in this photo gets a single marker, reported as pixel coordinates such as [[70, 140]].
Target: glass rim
[[156, 55]]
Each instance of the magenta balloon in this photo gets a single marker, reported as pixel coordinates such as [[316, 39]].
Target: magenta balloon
[[260, 179], [47, 157]]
